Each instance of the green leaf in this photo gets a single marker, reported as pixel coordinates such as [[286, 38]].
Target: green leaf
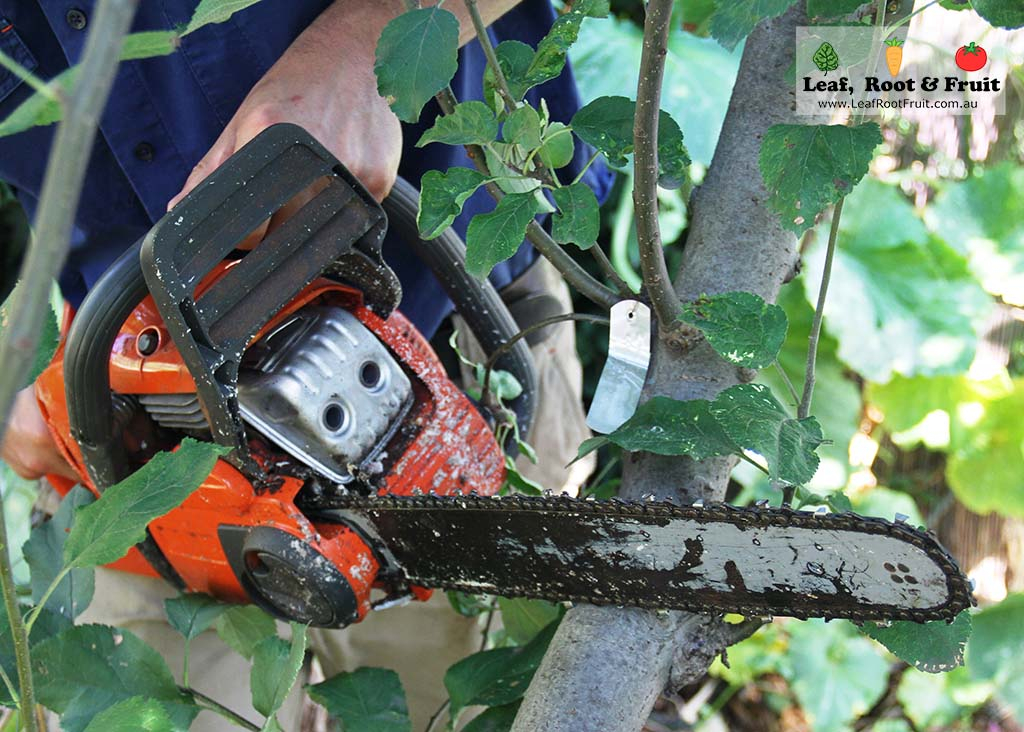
[[699, 75], [192, 613], [367, 699], [607, 124], [1001, 13], [44, 552], [149, 44], [578, 220], [522, 127], [558, 147], [417, 56], [832, 8], [523, 619], [39, 110], [48, 339], [215, 11], [243, 627], [495, 719], [835, 675], [442, 196], [933, 647], [754, 419], [980, 218], [549, 60], [472, 123], [733, 21], [135, 714], [983, 467], [275, 667], [503, 384], [896, 304], [89, 668], [671, 427], [807, 167], [741, 327], [105, 530], [496, 677], [996, 650], [514, 58], [494, 237], [826, 58]]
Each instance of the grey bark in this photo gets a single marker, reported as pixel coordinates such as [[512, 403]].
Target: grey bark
[[606, 666]]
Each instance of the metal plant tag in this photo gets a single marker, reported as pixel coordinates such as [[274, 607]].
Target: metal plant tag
[[629, 353]]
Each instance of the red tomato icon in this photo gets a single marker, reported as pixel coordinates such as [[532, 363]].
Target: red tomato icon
[[971, 57]]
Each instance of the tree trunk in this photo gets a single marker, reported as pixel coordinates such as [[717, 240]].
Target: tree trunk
[[606, 666]]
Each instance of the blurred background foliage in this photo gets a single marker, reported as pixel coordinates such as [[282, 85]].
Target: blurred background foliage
[[920, 383]]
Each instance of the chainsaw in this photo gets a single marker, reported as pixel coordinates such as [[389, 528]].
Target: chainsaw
[[359, 475]]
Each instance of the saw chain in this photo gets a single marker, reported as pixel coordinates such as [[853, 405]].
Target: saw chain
[[715, 558]]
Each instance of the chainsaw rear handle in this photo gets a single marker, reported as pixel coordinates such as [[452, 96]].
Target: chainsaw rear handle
[[124, 285]]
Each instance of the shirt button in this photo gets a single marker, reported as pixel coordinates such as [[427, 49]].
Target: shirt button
[[144, 152], [76, 18]]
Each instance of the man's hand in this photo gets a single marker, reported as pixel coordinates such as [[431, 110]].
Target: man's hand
[[325, 83], [28, 447]]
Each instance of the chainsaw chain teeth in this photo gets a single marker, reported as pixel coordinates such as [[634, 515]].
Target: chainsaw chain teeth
[[958, 585]]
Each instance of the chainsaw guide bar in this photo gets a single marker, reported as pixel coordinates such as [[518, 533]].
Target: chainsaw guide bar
[[716, 558]]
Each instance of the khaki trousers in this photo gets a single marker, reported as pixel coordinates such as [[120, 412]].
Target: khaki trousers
[[420, 640]]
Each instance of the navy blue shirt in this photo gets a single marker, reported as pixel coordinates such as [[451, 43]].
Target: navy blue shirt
[[165, 113]]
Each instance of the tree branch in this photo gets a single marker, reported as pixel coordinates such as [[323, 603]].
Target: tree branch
[[492, 57], [62, 186], [735, 242], [645, 167]]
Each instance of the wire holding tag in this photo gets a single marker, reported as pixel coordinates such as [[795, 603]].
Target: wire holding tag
[[624, 373]]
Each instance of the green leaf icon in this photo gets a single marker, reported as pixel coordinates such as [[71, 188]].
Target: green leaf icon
[[826, 58]]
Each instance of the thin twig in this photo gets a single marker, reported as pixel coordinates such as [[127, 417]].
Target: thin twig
[[62, 186], [571, 271], [812, 346], [609, 270], [215, 706], [26, 699], [789, 384], [29, 78], [492, 57], [437, 715], [540, 324], [645, 166], [487, 626]]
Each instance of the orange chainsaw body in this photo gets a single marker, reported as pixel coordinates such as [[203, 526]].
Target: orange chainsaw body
[[444, 446]]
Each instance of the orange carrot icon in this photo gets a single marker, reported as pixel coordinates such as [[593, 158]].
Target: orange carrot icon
[[894, 55]]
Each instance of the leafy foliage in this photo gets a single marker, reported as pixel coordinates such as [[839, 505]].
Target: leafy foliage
[[831, 8], [996, 650], [106, 529], [496, 677], [495, 719], [901, 301], [47, 625], [243, 627], [135, 714], [808, 167], [367, 699], [740, 326], [834, 675], [417, 55], [48, 339], [44, 552], [1002, 13], [215, 11], [578, 220], [932, 647], [275, 667], [549, 60], [442, 196], [192, 613], [607, 124], [472, 123], [88, 668], [732, 21], [494, 237], [523, 619]]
